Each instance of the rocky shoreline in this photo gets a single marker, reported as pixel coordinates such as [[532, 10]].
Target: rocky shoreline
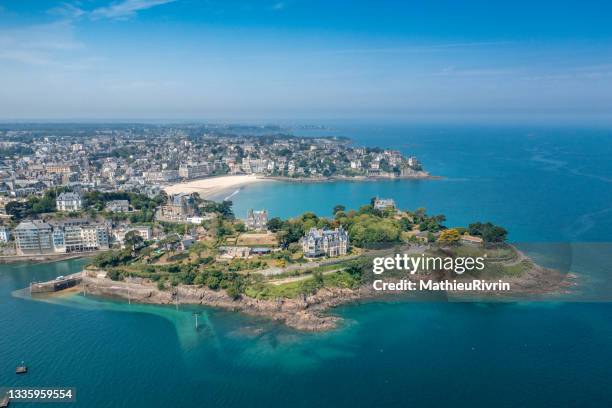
[[46, 258], [310, 312], [305, 313], [417, 176], [537, 283]]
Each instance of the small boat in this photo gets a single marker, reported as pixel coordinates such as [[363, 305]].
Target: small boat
[[21, 369], [5, 401]]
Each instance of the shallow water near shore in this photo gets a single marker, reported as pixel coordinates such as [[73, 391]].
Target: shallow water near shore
[[550, 188], [123, 355]]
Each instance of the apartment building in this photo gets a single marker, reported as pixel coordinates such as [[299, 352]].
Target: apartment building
[[34, 237], [37, 237], [192, 171]]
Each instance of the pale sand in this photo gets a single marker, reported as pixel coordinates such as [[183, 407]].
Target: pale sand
[[212, 186]]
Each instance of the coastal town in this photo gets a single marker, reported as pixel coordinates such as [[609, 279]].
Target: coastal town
[[144, 158], [71, 189]]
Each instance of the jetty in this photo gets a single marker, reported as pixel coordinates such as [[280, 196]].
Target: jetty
[[59, 283], [5, 401]]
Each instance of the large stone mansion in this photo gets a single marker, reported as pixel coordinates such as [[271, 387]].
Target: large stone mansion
[[331, 243]]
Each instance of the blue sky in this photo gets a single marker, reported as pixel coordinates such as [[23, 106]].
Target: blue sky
[[305, 60]]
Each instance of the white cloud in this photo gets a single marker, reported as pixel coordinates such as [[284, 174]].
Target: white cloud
[[279, 5], [67, 10], [46, 44], [55, 44], [126, 8]]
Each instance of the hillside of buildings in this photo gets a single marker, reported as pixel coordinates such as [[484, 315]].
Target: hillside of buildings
[[71, 188], [145, 158]]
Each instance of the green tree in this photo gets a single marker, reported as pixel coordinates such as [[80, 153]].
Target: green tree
[[225, 209], [318, 279], [17, 210], [213, 282], [233, 290], [133, 240], [239, 226], [275, 224], [488, 231], [369, 229], [405, 224]]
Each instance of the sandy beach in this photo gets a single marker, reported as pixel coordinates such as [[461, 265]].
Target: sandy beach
[[213, 186]]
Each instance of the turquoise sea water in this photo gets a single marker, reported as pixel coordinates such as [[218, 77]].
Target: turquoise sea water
[[545, 184], [550, 187]]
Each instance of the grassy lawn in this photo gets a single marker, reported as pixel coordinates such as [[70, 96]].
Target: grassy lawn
[[257, 239], [340, 280], [518, 269], [503, 253], [289, 290], [292, 290]]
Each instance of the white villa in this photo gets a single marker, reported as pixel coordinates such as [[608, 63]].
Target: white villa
[[383, 203], [68, 202]]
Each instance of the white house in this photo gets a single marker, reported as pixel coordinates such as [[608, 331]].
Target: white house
[[118, 206], [383, 203], [5, 234], [68, 202]]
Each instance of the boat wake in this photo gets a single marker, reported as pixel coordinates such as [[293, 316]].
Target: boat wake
[[231, 195]]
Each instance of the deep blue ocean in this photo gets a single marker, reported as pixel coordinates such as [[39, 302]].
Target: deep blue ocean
[[550, 187]]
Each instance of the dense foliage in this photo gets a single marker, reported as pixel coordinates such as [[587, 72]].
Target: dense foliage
[[16, 150], [488, 232], [112, 258], [223, 208], [428, 223], [97, 200], [34, 205], [366, 227]]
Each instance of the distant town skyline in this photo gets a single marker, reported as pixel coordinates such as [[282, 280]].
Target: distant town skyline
[[298, 60]]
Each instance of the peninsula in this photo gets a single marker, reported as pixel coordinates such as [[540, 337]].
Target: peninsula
[[295, 270]]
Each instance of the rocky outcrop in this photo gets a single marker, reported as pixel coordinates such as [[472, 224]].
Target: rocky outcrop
[[305, 313]]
